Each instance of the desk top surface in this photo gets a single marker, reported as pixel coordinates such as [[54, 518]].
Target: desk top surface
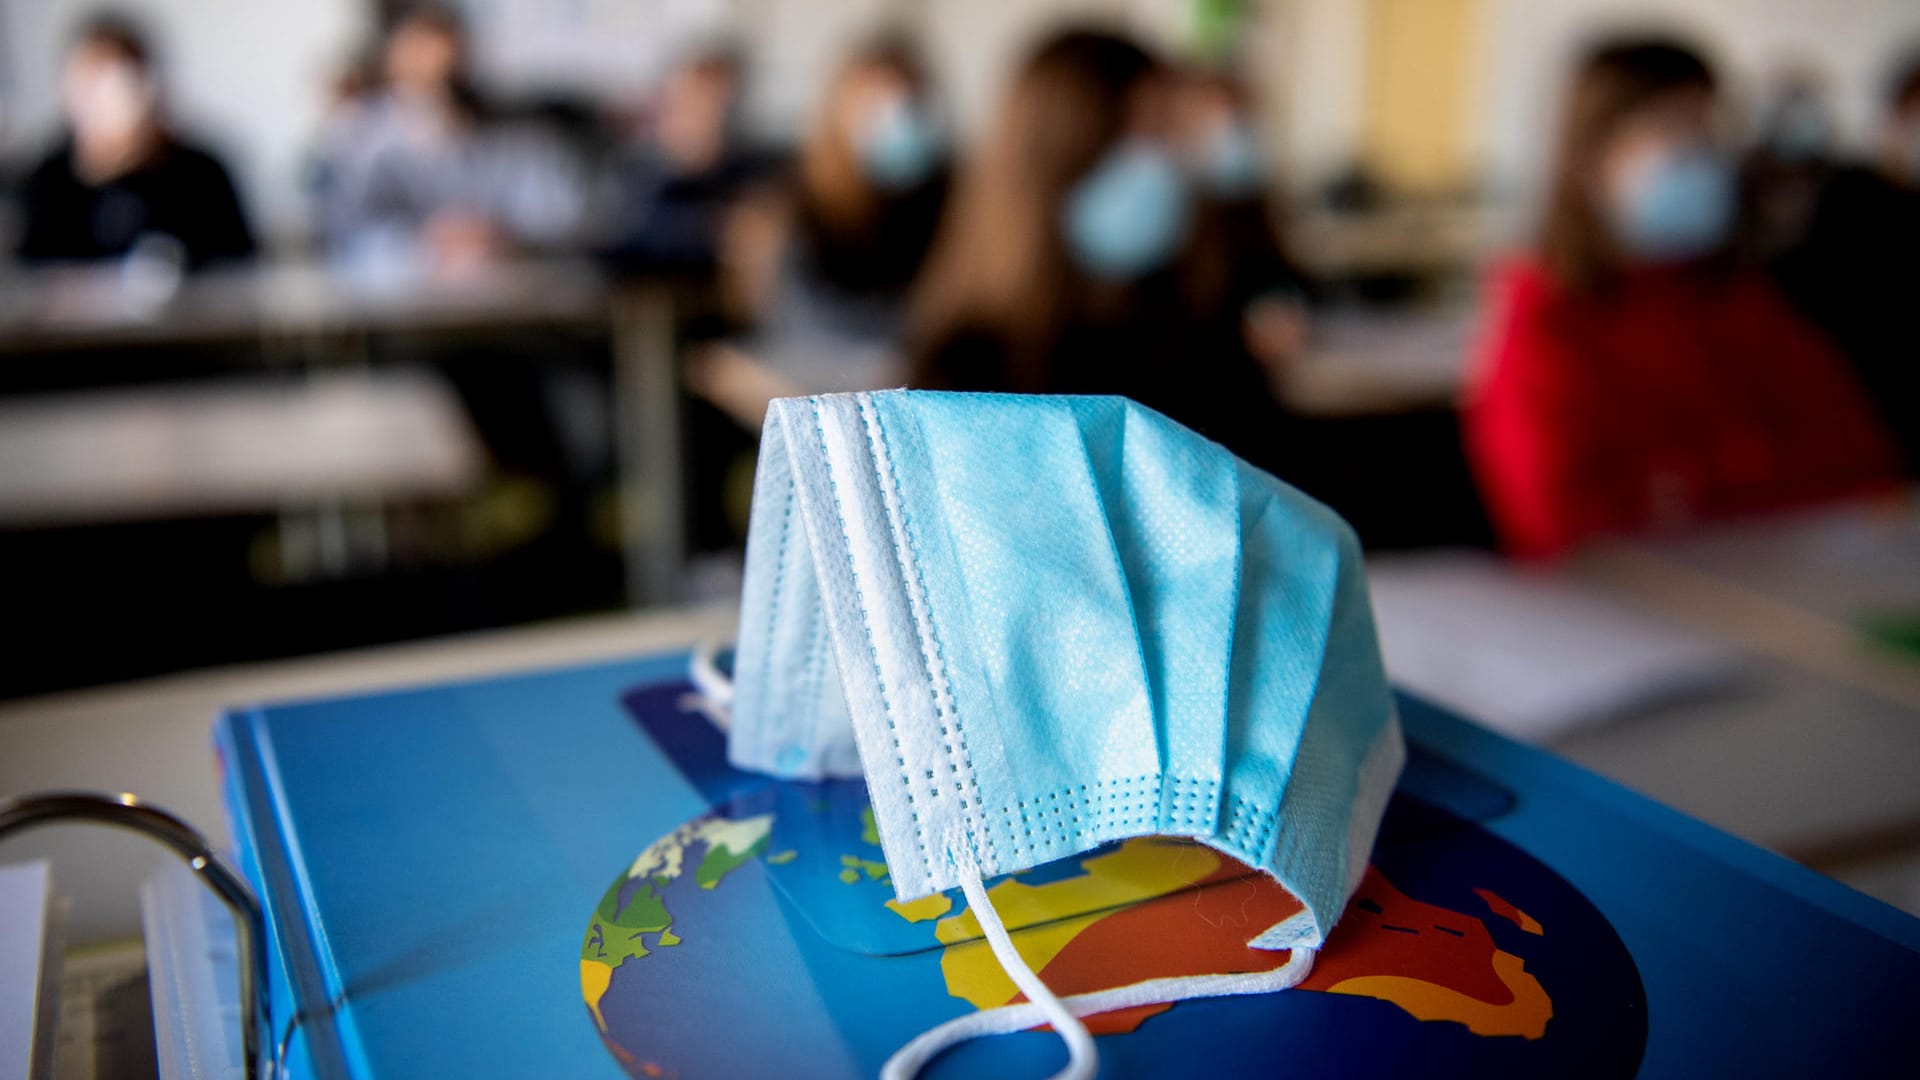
[[84, 307]]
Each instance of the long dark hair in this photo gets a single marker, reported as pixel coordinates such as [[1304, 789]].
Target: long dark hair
[[438, 17], [999, 266], [1611, 82], [833, 189]]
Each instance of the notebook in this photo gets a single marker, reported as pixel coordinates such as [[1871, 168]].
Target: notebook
[[29, 971], [557, 874], [1529, 654]]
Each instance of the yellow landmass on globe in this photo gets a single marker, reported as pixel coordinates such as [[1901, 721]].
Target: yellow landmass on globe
[[974, 974], [927, 907], [595, 977], [1140, 869]]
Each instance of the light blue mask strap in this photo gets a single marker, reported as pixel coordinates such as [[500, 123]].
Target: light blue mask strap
[[712, 689], [1043, 1007]]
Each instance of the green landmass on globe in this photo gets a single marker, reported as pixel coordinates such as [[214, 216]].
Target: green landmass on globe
[[617, 932]]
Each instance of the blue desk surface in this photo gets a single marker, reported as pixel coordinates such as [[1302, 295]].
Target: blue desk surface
[[429, 857]]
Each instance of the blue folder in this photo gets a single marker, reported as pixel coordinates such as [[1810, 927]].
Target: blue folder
[[430, 860]]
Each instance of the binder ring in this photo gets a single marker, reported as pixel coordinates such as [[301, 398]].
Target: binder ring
[[127, 812]]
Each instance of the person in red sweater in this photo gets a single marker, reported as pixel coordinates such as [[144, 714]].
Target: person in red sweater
[[1635, 376]]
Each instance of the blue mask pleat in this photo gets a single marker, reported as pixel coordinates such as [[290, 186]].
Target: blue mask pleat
[[1042, 588], [785, 677], [1056, 622], [1167, 501]]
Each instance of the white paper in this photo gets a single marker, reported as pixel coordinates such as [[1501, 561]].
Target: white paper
[[25, 896], [1529, 654]]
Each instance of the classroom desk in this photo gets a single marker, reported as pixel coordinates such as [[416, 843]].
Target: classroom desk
[[1821, 759], [303, 316], [1362, 363], [1723, 672]]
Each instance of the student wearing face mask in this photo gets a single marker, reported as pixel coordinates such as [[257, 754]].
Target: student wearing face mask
[[1068, 261], [121, 181], [1633, 376], [1789, 164], [819, 264], [1227, 158], [1855, 271]]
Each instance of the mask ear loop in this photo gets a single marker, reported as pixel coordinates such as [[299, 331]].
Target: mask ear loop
[[1043, 1006], [713, 690]]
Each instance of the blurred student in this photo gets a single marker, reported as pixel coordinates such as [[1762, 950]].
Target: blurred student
[[1228, 159], [1066, 264], [687, 172], [417, 175], [1789, 165], [1633, 377], [121, 181], [1854, 268], [821, 264]]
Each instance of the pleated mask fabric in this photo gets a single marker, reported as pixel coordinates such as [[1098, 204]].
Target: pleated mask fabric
[[1037, 624]]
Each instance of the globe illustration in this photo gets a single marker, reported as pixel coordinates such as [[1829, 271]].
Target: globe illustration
[[764, 938]]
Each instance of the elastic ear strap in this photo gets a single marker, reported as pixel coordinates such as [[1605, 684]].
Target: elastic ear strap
[[909, 1059], [713, 686], [1044, 1006]]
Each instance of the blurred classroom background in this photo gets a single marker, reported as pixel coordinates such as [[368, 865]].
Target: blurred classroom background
[[335, 323]]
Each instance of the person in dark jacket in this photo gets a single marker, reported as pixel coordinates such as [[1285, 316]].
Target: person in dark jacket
[[679, 182], [120, 179], [1854, 269]]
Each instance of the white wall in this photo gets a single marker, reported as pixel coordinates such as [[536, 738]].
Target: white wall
[[1318, 99], [249, 75], [622, 48], [246, 76]]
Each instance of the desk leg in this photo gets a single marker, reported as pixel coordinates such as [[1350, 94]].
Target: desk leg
[[647, 442]]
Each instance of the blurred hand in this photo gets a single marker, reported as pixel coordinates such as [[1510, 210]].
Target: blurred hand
[[736, 383], [1275, 329], [461, 241], [751, 245]]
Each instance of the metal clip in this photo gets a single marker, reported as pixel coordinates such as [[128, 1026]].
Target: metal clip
[[249, 925]]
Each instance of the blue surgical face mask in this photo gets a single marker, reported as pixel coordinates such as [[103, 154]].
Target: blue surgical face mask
[[1121, 630], [899, 146], [1679, 207], [1232, 165], [1128, 216]]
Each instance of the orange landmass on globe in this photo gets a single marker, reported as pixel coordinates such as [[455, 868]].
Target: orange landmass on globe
[[1510, 913], [1195, 919]]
